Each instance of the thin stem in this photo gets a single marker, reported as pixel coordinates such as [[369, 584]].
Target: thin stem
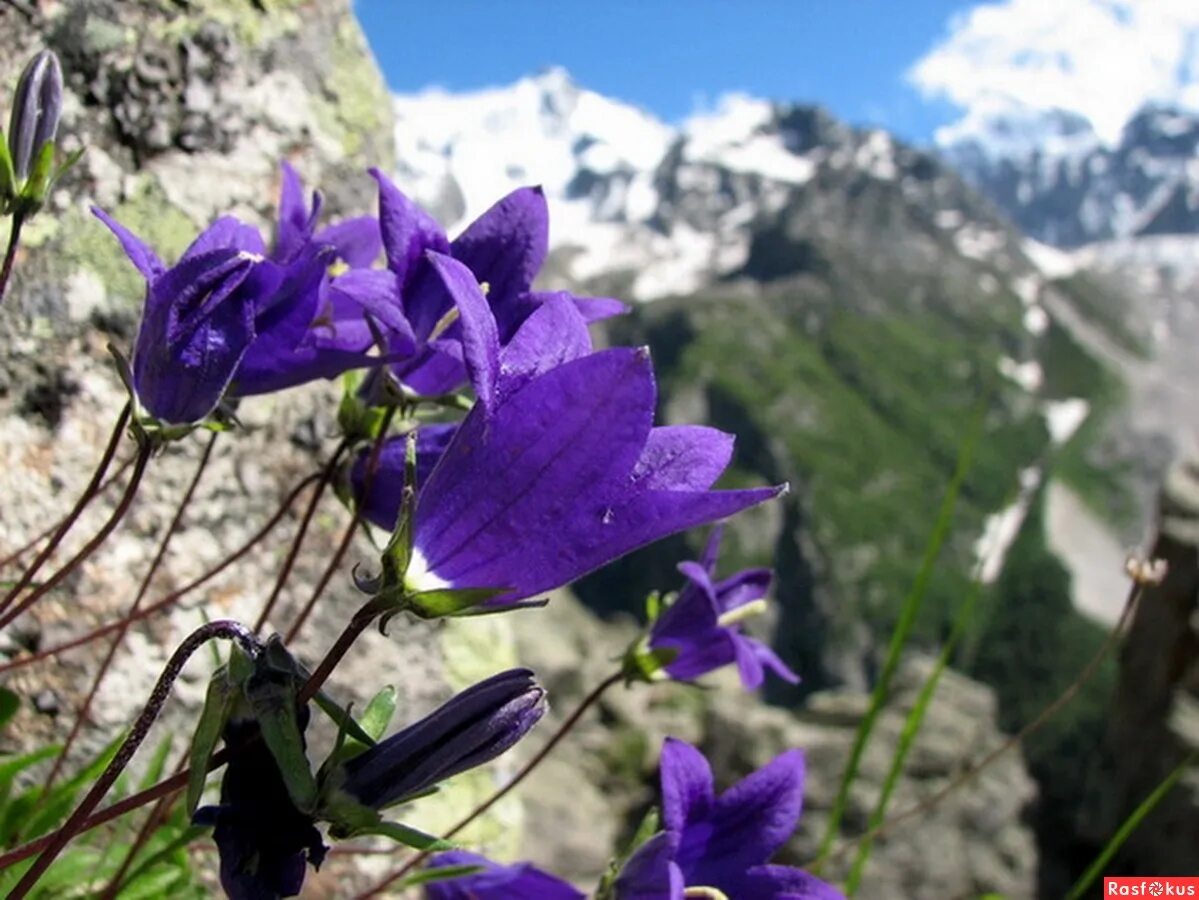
[[342, 548], [171, 598], [85, 708], [969, 773], [139, 469], [585, 704], [284, 573], [50, 529], [14, 236], [361, 621], [58, 840], [85, 498]]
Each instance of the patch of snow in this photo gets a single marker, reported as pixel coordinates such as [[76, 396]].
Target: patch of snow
[[977, 243], [1001, 528], [876, 156], [949, 218], [1036, 320], [735, 135], [1026, 374], [1063, 417], [1052, 262]]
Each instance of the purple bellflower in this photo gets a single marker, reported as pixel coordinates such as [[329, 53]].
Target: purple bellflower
[[703, 625], [472, 728], [265, 842], [723, 842], [558, 468], [519, 881], [504, 249]]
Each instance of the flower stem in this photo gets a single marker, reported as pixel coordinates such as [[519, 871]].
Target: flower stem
[[14, 236], [85, 708], [565, 728], [139, 469], [171, 598], [284, 573], [162, 689], [85, 498], [361, 621]]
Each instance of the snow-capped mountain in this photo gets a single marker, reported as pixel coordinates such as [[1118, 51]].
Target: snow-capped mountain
[[1051, 173], [671, 207]]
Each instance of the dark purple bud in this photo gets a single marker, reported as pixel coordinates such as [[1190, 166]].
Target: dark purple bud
[[36, 110], [472, 728]]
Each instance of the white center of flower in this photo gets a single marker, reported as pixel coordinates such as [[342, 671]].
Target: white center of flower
[[252, 257], [418, 578], [741, 613], [707, 893]]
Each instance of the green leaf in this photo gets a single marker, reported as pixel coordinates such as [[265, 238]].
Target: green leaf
[[218, 704], [46, 812], [653, 607], [377, 715], [66, 165], [158, 763], [272, 696], [409, 837], [144, 872]]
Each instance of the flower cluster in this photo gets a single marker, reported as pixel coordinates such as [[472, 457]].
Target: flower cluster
[[506, 456]]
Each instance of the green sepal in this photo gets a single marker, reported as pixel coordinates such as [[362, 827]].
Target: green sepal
[[643, 663], [649, 826], [67, 164], [8, 177], [41, 178], [218, 704], [344, 720], [271, 692], [357, 419], [653, 606], [398, 552], [449, 601]]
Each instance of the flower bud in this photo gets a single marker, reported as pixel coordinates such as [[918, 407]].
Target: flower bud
[[470, 729], [36, 109]]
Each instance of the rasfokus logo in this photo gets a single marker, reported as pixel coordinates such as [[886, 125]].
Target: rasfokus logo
[[1149, 886]]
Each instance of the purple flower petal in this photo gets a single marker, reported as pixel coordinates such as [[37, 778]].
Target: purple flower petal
[[770, 660], [687, 786], [506, 246], [382, 502], [787, 883], [226, 232], [143, 258], [520, 881], [553, 335], [480, 341], [358, 241], [651, 873], [744, 587], [296, 219], [683, 457], [374, 291], [407, 230], [596, 309]]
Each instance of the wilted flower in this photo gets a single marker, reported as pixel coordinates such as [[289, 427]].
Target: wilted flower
[[702, 627], [470, 729], [265, 842], [36, 109], [722, 842], [495, 881]]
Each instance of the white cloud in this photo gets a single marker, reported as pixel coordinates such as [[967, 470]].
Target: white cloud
[[1101, 59]]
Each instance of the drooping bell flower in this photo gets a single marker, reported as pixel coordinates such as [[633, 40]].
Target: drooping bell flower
[[503, 249], [470, 729], [702, 627], [722, 842], [265, 842], [198, 318], [558, 468], [493, 881]]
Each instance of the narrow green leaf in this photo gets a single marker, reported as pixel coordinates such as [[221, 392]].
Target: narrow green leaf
[[9, 768], [49, 811], [272, 697], [342, 718], [138, 876], [9, 704], [449, 601], [8, 177], [37, 185], [1129, 825], [377, 715], [409, 837], [903, 629], [218, 704], [158, 762]]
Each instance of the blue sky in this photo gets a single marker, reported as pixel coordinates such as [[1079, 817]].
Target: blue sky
[[671, 56]]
